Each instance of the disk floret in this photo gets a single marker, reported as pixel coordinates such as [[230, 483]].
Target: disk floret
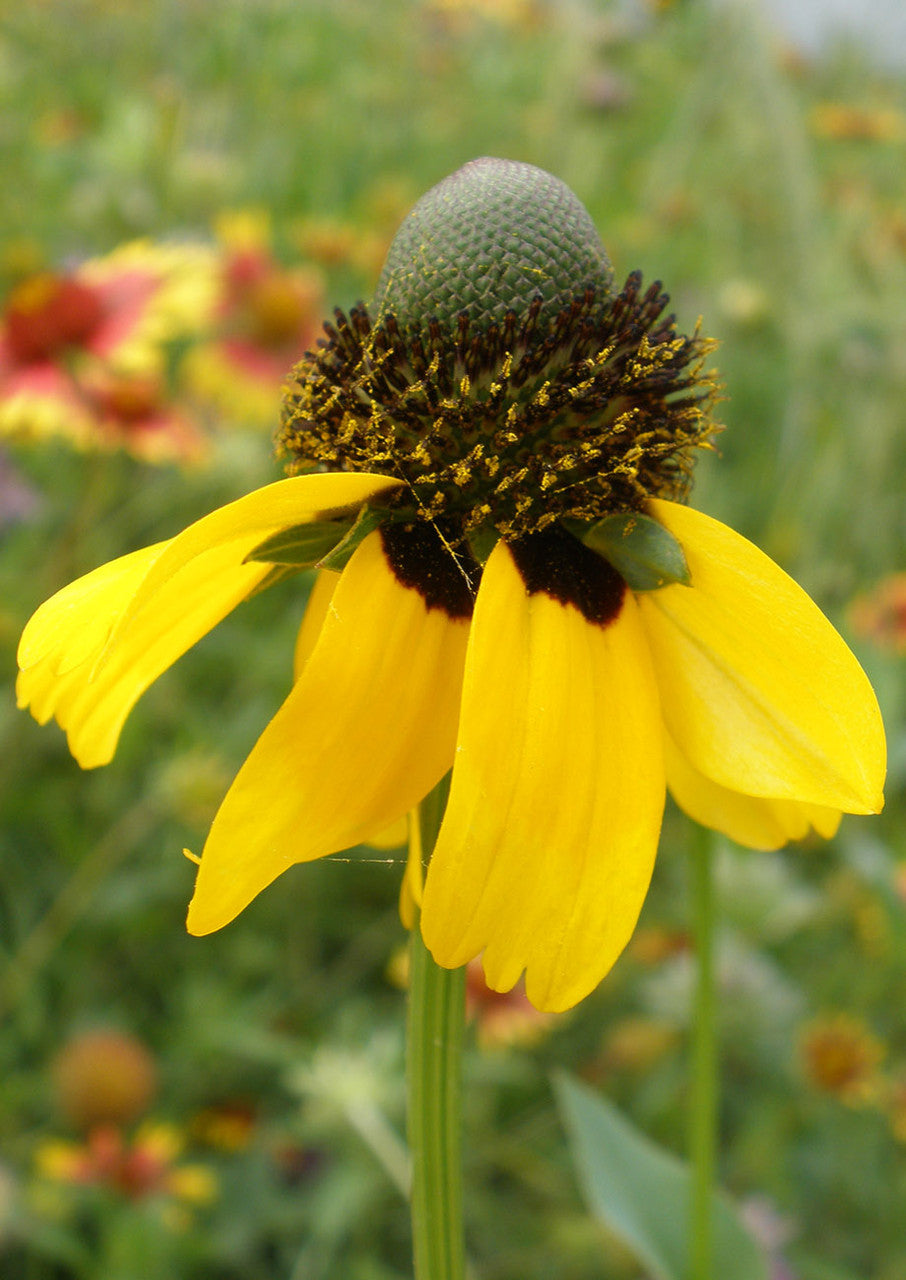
[[516, 426]]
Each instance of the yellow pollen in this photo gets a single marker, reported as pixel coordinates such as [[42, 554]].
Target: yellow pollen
[[435, 506], [486, 439]]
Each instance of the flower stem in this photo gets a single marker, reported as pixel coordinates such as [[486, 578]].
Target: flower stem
[[704, 1084], [436, 1009]]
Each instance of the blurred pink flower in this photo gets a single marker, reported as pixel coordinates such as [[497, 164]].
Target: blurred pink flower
[[84, 354], [147, 1165], [266, 316]]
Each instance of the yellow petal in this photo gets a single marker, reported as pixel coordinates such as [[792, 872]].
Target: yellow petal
[[758, 690], [230, 533], [74, 625], [753, 821], [367, 730], [397, 834], [315, 612], [546, 849], [63, 640], [91, 651], [825, 821], [392, 837]]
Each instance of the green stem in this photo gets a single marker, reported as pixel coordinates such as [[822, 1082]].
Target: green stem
[[436, 1008], [703, 1117]]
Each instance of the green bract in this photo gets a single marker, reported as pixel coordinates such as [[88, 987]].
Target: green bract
[[643, 552]]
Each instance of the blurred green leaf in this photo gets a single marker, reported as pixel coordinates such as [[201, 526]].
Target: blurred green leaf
[[642, 1193], [808, 1268]]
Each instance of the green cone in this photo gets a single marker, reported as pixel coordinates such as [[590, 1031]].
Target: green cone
[[489, 239]]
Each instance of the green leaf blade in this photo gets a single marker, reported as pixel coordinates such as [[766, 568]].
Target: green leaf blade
[[643, 1193]]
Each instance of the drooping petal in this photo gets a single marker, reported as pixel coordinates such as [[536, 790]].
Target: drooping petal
[[325, 584], [826, 822], [758, 690], [74, 625], [90, 652], [227, 535], [753, 821], [549, 838], [368, 728], [62, 643], [396, 835]]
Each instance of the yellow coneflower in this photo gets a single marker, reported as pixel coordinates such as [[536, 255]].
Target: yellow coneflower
[[494, 468]]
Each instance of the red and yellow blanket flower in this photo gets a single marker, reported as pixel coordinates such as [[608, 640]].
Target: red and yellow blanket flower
[[265, 316], [142, 1166], [83, 353], [494, 470]]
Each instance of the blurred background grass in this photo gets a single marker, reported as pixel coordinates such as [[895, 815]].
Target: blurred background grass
[[766, 189]]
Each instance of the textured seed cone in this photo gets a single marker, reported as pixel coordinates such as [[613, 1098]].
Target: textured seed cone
[[533, 239], [104, 1077], [499, 374]]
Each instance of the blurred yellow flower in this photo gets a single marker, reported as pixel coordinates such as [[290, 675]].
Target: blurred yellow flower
[[840, 1056], [327, 241], [103, 1077], [509, 13], [637, 1043], [143, 1166], [59, 1160], [895, 1107], [654, 944], [361, 245], [879, 615], [227, 1126], [842, 121]]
